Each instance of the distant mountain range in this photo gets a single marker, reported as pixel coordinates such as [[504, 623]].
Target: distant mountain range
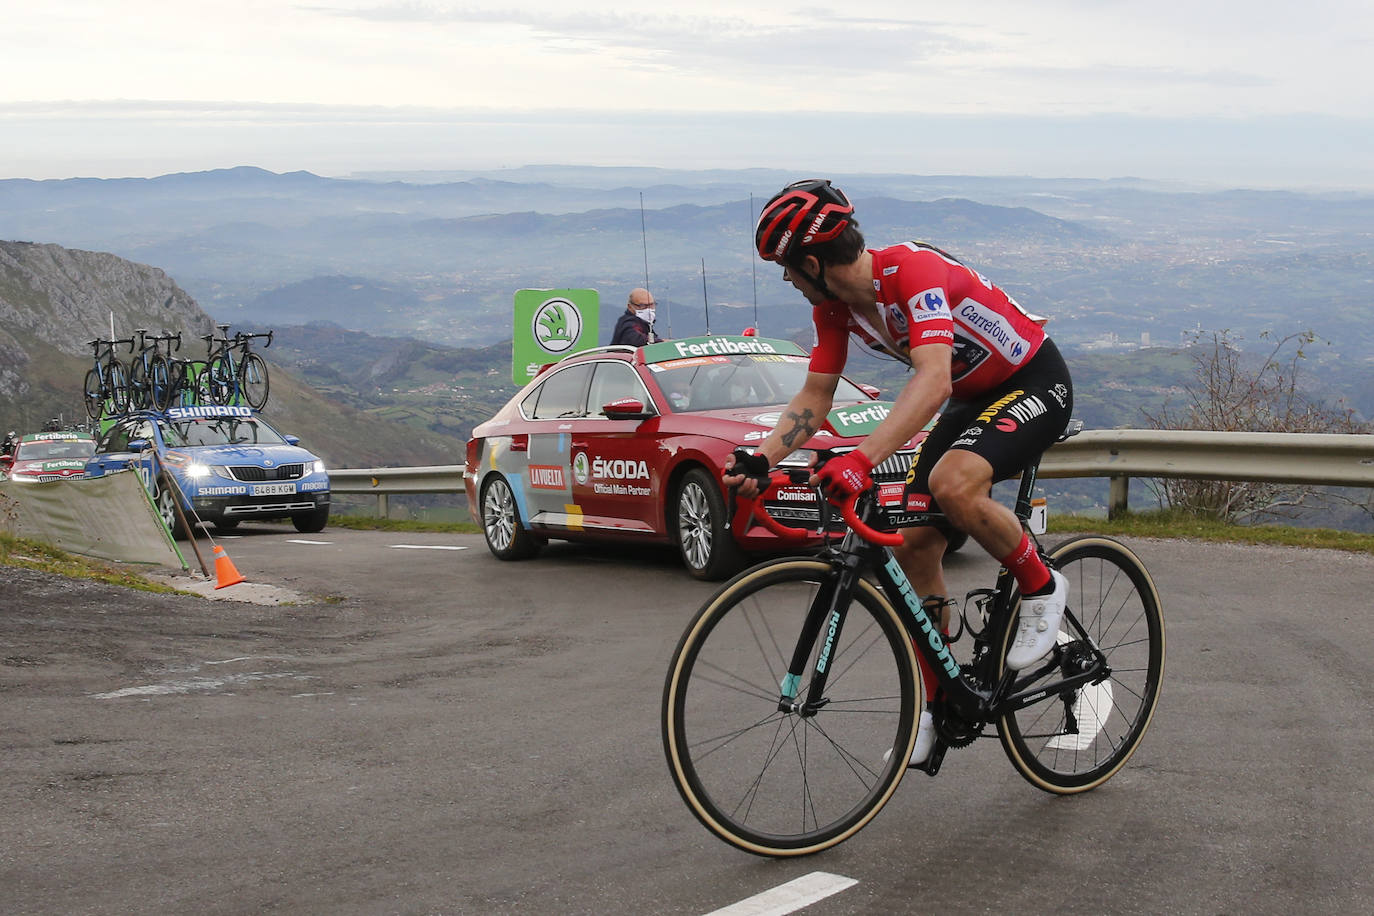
[[440, 256]]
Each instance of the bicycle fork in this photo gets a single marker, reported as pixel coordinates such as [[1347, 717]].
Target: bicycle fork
[[826, 616]]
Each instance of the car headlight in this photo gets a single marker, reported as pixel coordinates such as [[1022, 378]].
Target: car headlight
[[801, 458], [197, 471], [319, 466]]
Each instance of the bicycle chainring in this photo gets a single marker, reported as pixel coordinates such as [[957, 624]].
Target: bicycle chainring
[[954, 731]]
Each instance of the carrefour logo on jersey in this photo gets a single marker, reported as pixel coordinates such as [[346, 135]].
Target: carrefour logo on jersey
[[993, 329], [931, 300]]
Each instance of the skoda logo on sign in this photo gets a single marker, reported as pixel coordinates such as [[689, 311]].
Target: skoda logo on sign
[[581, 471], [557, 325]]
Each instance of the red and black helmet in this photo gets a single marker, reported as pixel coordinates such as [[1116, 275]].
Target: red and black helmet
[[802, 214]]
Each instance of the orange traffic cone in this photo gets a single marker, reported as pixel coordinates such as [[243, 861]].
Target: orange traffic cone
[[225, 573]]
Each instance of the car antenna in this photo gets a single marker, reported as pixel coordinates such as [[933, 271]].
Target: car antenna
[[705, 303], [753, 264], [644, 237]]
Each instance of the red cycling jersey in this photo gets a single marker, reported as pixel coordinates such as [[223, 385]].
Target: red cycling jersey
[[927, 297]]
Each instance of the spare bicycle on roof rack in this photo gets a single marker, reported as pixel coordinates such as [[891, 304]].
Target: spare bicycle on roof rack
[[791, 704]]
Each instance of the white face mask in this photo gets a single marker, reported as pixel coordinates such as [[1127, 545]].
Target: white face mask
[[645, 315]]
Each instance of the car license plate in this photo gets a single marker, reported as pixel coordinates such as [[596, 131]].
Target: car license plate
[[273, 489]]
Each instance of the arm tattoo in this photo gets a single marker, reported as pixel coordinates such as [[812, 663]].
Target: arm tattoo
[[802, 428]]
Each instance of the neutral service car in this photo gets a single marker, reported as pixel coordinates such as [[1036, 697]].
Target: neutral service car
[[219, 465], [41, 457], [625, 443]]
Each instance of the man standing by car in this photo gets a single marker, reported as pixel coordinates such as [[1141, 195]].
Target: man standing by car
[[635, 327], [965, 340]]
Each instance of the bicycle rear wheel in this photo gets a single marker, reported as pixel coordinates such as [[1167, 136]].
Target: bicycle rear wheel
[[253, 381], [159, 383], [92, 394], [1069, 743], [778, 783], [139, 398]]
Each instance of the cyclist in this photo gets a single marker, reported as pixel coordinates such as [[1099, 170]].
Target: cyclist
[[966, 341]]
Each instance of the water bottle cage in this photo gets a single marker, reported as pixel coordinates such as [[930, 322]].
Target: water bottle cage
[[979, 598]]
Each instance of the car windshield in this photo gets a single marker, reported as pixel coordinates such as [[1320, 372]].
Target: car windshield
[[219, 431], [42, 449], [739, 380]]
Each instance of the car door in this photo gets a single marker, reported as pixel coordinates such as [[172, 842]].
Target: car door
[[112, 450], [551, 411], [614, 478]]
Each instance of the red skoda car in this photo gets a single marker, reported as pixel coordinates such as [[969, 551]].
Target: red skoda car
[[627, 444], [42, 457]]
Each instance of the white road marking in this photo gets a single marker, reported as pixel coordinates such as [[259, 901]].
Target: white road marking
[[789, 897], [299, 541], [424, 547], [197, 685]]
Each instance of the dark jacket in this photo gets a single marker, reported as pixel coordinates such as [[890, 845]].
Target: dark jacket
[[632, 330]]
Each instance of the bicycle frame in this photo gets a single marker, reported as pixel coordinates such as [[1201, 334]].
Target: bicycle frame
[[976, 692]]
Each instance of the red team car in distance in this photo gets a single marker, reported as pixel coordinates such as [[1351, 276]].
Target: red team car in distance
[[627, 444], [43, 457]]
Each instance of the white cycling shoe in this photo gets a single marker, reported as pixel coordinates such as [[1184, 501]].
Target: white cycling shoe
[[925, 741], [1040, 616]]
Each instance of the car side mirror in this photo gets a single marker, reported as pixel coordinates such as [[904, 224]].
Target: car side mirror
[[292, 440], [137, 445], [626, 409], [872, 391]]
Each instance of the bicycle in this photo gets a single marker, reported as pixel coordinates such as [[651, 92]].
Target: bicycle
[[107, 381], [795, 677], [150, 373], [233, 371]]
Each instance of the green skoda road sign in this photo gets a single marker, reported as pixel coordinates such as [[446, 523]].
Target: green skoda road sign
[[549, 325]]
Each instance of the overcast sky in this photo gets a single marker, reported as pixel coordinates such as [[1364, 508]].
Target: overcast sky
[[1218, 91]]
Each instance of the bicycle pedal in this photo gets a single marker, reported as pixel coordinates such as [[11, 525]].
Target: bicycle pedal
[[931, 765]]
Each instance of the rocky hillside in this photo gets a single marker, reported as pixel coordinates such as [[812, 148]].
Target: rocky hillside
[[54, 299]]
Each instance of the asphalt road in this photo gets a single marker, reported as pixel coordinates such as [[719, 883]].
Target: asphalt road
[[430, 730]]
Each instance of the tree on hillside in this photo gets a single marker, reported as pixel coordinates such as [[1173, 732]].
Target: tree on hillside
[[1234, 391]]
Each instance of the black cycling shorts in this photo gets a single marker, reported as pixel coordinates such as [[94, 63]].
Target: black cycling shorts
[[1006, 426]]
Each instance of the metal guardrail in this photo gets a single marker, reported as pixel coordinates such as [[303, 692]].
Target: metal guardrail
[[1319, 459], [1323, 459], [444, 478]]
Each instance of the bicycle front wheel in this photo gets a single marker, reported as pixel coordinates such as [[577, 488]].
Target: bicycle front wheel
[[139, 398], [117, 385], [1072, 742], [221, 382], [253, 381], [786, 782]]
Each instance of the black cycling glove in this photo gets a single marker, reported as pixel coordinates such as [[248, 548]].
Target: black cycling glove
[[754, 467]]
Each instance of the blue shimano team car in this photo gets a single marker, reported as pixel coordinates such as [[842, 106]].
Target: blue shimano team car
[[221, 464]]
